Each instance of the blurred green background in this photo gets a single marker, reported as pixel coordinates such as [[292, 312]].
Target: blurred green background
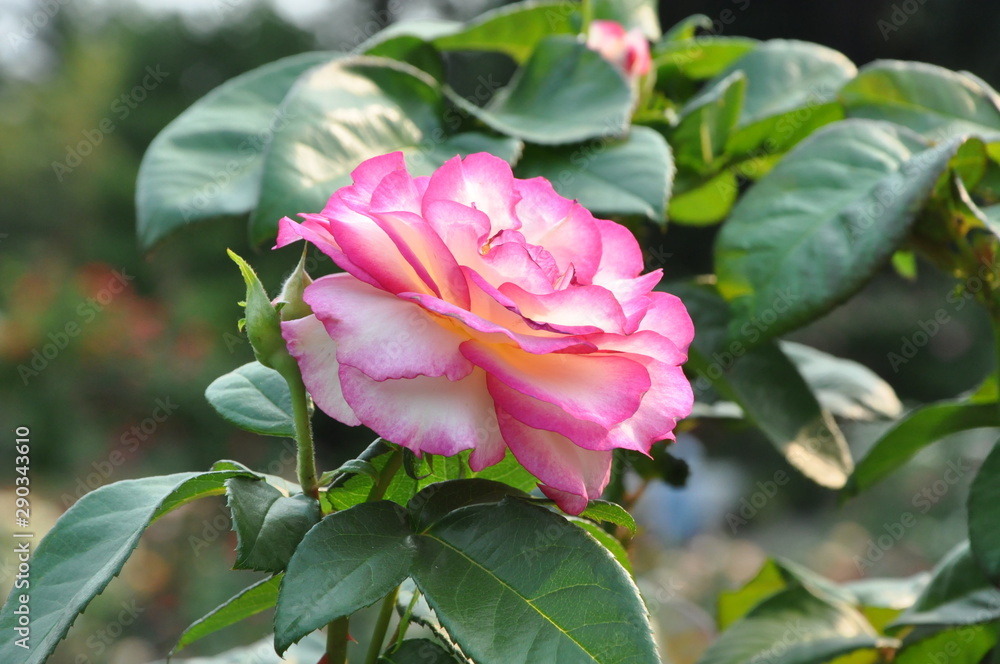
[[105, 353]]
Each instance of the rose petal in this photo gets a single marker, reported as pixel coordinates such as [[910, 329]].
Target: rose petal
[[372, 250], [513, 262], [397, 192], [638, 60], [421, 247], [621, 256], [668, 401], [316, 353], [563, 227], [488, 320], [601, 389], [576, 475], [318, 233], [668, 316], [370, 173], [383, 335], [577, 309], [481, 181], [644, 342], [430, 415], [543, 415]]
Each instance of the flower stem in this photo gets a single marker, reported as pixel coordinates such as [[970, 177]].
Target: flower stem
[[995, 320], [306, 465], [404, 622], [382, 626], [587, 12], [336, 641], [385, 476]]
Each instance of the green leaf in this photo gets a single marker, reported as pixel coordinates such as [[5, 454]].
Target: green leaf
[[353, 489], [734, 604], [757, 148], [564, 93], [958, 594], [777, 575], [251, 601], [420, 613], [930, 100], [345, 112], [767, 385], [844, 387], [687, 27], [966, 645], [87, 547], [413, 51], [699, 57], [918, 429], [984, 505], [426, 30], [641, 14], [822, 222], [905, 264], [277, 481], [520, 569], [348, 561], [606, 511], [514, 29], [207, 163], [605, 539], [268, 524], [437, 500], [418, 651], [509, 471], [883, 600], [700, 137], [787, 75], [623, 177], [793, 626], [888, 593], [352, 467], [254, 398], [702, 202]]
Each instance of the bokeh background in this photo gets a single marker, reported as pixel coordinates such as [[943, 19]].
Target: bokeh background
[[105, 353]]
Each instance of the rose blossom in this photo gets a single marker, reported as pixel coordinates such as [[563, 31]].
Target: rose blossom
[[479, 311], [627, 49]]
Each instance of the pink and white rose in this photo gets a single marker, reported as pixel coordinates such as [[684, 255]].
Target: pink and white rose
[[482, 312], [628, 49]]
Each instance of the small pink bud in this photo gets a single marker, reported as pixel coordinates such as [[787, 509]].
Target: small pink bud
[[628, 49]]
